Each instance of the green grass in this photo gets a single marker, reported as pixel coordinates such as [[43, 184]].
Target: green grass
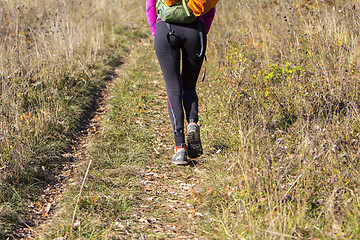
[[279, 113], [288, 164], [119, 153], [55, 60]]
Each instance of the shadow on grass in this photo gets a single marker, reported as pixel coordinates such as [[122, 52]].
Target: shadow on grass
[[192, 163]]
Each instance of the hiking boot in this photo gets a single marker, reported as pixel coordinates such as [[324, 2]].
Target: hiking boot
[[180, 156], [193, 140]]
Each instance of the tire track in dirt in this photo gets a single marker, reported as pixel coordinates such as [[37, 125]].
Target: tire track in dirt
[[167, 206], [46, 207]]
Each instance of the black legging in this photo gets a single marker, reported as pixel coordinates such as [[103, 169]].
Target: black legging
[[185, 44]]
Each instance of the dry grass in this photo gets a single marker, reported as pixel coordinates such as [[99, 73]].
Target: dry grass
[[290, 71], [279, 110], [54, 59]]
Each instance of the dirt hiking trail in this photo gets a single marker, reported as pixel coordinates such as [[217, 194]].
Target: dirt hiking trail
[[164, 194]]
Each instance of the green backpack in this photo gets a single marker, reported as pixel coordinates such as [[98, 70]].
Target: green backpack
[[178, 13]]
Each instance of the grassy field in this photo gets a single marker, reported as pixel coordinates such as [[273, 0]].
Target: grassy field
[[279, 119], [290, 117], [55, 57]]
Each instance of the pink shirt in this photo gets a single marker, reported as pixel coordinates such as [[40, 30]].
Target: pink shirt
[[152, 18]]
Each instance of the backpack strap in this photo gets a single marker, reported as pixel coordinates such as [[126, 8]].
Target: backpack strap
[[201, 35], [202, 44], [186, 8], [168, 35], [171, 32], [204, 74]]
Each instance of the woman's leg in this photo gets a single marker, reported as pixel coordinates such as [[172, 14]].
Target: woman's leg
[[192, 63], [191, 68], [180, 87], [169, 60]]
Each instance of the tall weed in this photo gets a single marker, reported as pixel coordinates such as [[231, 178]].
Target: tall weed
[[289, 71], [54, 58]]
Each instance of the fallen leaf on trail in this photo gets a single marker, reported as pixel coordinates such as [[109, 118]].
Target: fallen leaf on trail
[[210, 190], [47, 208], [152, 174], [76, 224], [95, 197], [149, 189], [39, 205]]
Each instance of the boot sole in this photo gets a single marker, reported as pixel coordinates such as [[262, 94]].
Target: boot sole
[[194, 144]]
